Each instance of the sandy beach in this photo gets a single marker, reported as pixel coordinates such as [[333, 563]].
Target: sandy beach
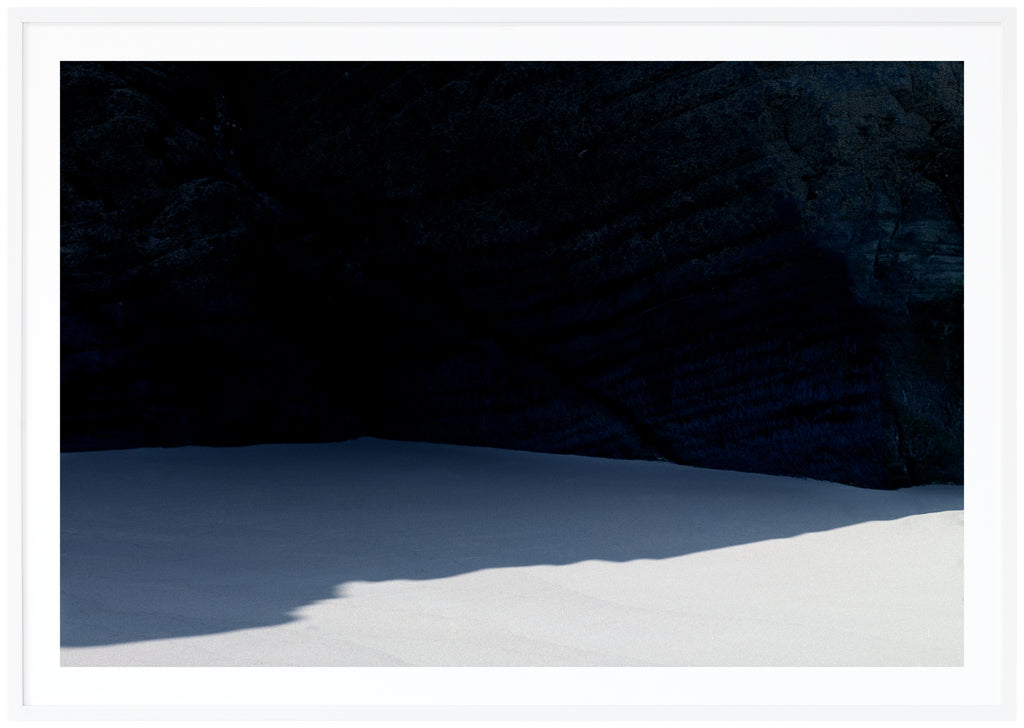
[[373, 552]]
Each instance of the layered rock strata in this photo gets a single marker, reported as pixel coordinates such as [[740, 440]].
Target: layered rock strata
[[751, 266]]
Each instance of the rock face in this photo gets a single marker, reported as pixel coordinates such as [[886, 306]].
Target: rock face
[[752, 266]]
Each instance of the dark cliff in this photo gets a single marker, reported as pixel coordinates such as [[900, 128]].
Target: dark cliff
[[752, 266]]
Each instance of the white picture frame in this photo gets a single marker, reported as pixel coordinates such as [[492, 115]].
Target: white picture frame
[[39, 688]]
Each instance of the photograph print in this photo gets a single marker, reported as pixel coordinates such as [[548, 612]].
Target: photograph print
[[511, 363]]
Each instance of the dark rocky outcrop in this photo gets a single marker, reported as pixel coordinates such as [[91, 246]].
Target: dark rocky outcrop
[[753, 266]]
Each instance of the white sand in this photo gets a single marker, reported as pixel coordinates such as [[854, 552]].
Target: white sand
[[372, 552]]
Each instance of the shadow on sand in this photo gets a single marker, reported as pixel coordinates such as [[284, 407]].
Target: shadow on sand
[[159, 543]]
